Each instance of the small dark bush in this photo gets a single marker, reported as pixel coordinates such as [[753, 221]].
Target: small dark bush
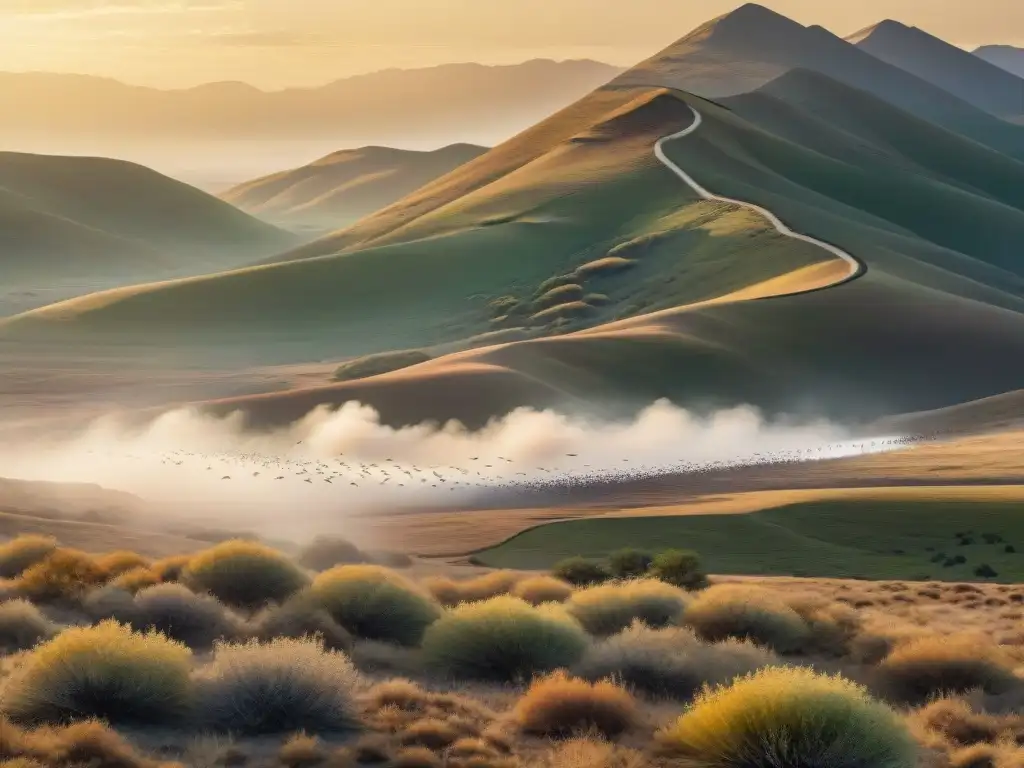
[[679, 567], [22, 626], [301, 617], [328, 551], [580, 572], [629, 563], [179, 613], [985, 571], [22, 552]]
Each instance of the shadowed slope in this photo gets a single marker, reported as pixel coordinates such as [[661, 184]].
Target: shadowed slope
[[1003, 56], [345, 186]]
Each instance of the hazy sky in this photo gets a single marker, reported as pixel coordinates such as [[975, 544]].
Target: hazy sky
[[275, 43]]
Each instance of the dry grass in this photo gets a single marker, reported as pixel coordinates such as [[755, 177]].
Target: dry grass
[[670, 663], [789, 717], [610, 608], [451, 592], [302, 751], [87, 743], [560, 705], [22, 552], [542, 589], [503, 638], [278, 687], [747, 613], [375, 603], [923, 667], [244, 574], [104, 671], [136, 578], [584, 752], [64, 574], [122, 561]]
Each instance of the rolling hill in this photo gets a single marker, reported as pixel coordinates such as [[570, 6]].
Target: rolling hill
[[345, 186], [95, 219], [742, 51], [1004, 56], [953, 69], [568, 266]]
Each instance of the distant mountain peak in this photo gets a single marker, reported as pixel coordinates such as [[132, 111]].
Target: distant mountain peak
[[745, 25], [887, 28]]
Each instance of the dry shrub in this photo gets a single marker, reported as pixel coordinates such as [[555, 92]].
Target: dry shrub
[[328, 551], [375, 603], [244, 574], [431, 733], [671, 662], [302, 751], [65, 574], [380, 658], [300, 617], [559, 705], [86, 743], [832, 627], [503, 638], [584, 752], [926, 666], [122, 561], [136, 579], [610, 608], [542, 589], [278, 687], [452, 592], [23, 552], [22, 626], [415, 757], [979, 756], [750, 613], [401, 693], [105, 671], [179, 613], [581, 572], [789, 717], [372, 749], [171, 568], [956, 722]]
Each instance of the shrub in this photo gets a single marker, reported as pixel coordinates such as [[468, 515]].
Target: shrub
[[105, 671], [64, 574], [23, 552], [542, 589], [22, 626], [328, 551], [415, 757], [583, 752], [503, 638], [679, 567], [789, 717], [110, 602], [136, 579], [375, 365], [392, 559], [244, 574], [925, 666], [282, 686], [429, 732], [375, 603], [301, 751], [560, 705], [171, 568], [734, 610], [610, 608], [87, 743], [300, 617], [580, 572], [179, 613], [451, 592], [629, 563], [671, 662], [122, 561], [832, 628]]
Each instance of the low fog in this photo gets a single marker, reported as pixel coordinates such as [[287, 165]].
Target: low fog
[[324, 472]]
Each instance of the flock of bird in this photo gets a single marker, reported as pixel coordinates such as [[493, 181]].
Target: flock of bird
[[478, 472]]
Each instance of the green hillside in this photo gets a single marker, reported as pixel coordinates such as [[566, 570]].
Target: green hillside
[[86, 217], [345, 186]]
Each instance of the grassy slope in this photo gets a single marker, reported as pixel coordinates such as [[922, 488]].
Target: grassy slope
[[874, 538], [68, 215], [346, 186], [512, 222]]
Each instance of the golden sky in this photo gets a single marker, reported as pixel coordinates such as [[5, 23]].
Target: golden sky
[[277, 43]]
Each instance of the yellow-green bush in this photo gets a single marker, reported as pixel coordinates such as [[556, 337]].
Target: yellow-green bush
[[122, 561], [789, 717], [542, 589], [179, 613], [503, 638], [375, 603], [22, 626], [22, 552], [610, 608], [560, 705], [744, 612], [282, 686], [135, 579], [299, 617], [925, 666], [105, 671], [451, 592], [63, 574], [244, 574]]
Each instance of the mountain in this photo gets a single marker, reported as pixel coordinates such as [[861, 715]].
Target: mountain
[[85, 219], [235, 131], [743, 50], [970, 77], [571, 266], [345, 186], [1004, 56]]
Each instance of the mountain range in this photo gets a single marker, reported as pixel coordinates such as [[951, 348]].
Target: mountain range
[[572, 265]]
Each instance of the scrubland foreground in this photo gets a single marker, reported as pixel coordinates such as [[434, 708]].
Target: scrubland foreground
[[241, 655]]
